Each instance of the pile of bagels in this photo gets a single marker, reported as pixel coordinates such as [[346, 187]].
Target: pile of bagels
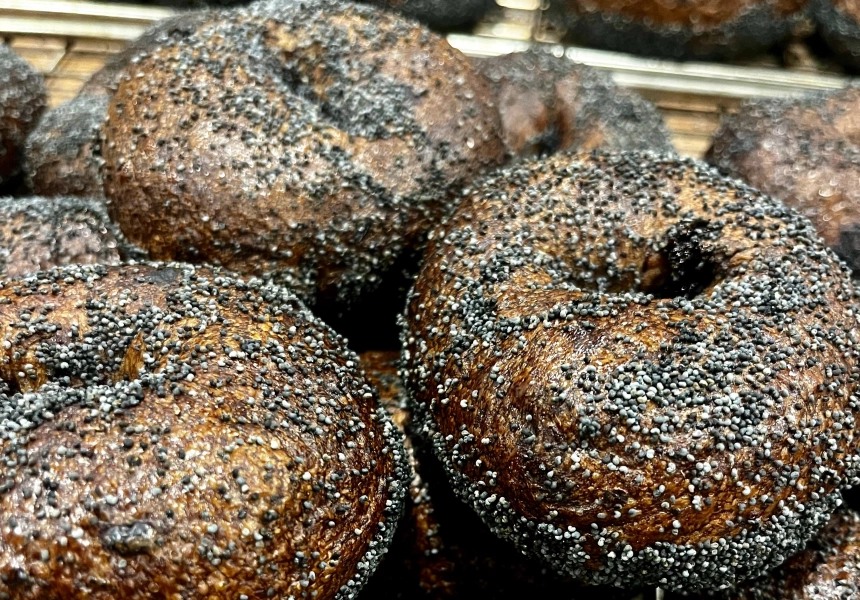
[[297, 301]]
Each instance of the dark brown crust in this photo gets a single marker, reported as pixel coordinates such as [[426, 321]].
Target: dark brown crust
[[626, 438], [40, 233], [702, 14], [552, 104], [828, 569], [22, 100], [63, 155], [368, 122], [804, 152], [206, 438], [442, 550]]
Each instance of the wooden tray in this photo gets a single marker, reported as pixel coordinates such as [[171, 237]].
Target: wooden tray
[[67, 40]]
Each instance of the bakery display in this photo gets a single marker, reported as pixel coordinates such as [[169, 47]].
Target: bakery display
[[551, 104], [694, 29], [804, 152], [635, 369], [40, 233], [174, 432], [22, 100]]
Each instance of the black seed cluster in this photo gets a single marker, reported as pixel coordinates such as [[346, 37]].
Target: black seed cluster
[[755, 27], [22, 100], [40, 233], [637, 370], [175, 430], [585, 110], [839, 24], [312, 140]]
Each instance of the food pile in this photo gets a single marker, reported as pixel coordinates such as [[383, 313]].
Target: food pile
[[615, 369]]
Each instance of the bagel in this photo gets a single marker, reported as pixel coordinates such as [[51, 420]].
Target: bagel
[[40, 233], [442, 550], [63, 156], [312, 142], [439, 14], [804, 152], [22, 100], [172, 432], [694, 29], [838, 22], [636, 370], [550, 104], [827, 569]]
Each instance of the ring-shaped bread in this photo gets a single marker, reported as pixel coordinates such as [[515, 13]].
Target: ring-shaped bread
[[636, 369], [172, 432]]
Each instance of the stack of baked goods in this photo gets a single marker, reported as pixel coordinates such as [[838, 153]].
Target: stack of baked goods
[[617, 369]]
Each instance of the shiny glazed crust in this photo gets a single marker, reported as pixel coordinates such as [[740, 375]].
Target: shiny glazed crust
[[804, 152], [315, 141], [635, 369], [170, 432]]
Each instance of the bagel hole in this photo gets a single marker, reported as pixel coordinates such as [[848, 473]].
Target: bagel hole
[[685, 267]]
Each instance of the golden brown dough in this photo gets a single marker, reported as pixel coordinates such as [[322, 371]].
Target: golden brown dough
[[692, 29], [803, 151], [551, 104], [316, 141], [171, 432], [636, 370]]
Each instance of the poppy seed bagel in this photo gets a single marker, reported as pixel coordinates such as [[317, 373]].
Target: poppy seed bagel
[[635, 369], [838, 22], [803, 151], [63, 152], [313, 141], [22, 101], [552, 104], [41, 233], [442, 550], [692, 29], [171, 432]]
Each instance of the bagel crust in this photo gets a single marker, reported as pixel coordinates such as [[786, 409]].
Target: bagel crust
[[803, 151], [550, 104], [41, 233], [170, 432], [316, 141], [22, 100], [636, 370]]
